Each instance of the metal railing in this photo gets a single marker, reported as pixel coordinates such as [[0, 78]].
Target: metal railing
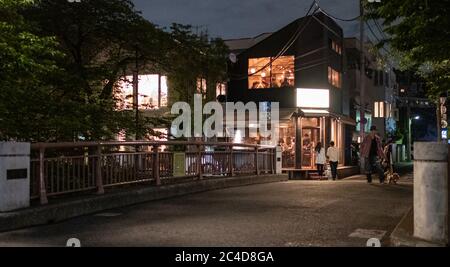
[[67, 168]]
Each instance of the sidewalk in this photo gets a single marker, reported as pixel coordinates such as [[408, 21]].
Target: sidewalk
[[403, 234], [63, 209]]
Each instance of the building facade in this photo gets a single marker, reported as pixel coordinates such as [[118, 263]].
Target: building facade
[[301, 67]]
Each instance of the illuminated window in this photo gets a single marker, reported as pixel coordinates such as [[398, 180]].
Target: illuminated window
[[268, 72], [152, 93], [221, 89], [379, 110], [164, 92], [201, 86], [159, 134], [334, 77], [336, 47]]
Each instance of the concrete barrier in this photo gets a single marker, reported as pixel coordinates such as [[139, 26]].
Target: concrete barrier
[[431, 191]]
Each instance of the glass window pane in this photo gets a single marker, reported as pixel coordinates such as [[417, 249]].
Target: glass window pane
[[266, 74], [164, 92], [283, 72], [148, 95], [259, 73], [148, 91]]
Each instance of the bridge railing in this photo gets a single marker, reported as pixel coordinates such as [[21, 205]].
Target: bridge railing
[[68, 168]]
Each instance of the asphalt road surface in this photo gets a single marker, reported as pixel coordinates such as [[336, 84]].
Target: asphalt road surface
[[285, 214]]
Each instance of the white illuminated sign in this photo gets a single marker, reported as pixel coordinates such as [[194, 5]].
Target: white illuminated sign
[[313, 98], [444, 134]]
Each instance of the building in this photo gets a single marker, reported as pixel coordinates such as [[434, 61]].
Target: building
[[417, 113], [300, 66], [381, 89]]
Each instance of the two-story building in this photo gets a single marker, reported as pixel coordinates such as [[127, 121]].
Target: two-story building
[[300, 66]]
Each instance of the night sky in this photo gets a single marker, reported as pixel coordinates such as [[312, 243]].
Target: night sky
[[242, 18]]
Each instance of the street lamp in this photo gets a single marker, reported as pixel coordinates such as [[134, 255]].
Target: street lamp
[[409, 145]]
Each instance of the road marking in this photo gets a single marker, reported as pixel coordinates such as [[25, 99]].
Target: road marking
[[108, 214], [368, 233]]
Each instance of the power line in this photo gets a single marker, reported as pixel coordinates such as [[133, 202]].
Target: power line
[[380, 29], [376, 37], [337, 18]]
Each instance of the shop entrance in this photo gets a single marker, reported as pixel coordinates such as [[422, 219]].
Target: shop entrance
[[311, 136]]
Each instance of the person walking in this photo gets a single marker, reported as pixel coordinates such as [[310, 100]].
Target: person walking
[[372, 151], [320, 158], [333, 157]]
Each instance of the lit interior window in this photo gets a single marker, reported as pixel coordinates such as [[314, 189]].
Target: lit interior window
[[269, 73], [221, 89], [152, 93], [379, 110], [164, 92], [161, 134], [148, 91], [336, 47], [334, 78], [201, 86]]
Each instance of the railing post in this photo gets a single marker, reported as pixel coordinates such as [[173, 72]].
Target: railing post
[[199, 162], [274, 160], [231, 162], [98, 171], [257, 160], [42, 187], [156, 174]]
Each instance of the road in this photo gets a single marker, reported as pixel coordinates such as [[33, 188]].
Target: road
[[285, 214]]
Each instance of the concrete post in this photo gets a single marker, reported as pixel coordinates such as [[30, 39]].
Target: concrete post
[[431, 191], [14, 176]]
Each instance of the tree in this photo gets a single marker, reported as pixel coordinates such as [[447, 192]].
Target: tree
[[73, 55], [103, 40], [27, 61], [419, 32]]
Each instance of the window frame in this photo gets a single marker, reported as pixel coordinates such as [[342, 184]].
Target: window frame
[[271, 74]]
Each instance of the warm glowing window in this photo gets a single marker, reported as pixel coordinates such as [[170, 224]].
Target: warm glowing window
[[269, 72], [221, 89], [336, 47], [152, 92], [159, 134], [201, 86], [379, 110], [334, 78]]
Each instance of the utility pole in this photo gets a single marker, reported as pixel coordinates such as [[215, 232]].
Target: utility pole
[[136, 95], [362, 80]]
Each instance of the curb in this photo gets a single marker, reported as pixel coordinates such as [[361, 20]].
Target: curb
[[90, 204], [403, 236]]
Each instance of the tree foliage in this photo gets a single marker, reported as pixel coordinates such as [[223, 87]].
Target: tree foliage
[[27, 61], [61, 62], [419, 31]]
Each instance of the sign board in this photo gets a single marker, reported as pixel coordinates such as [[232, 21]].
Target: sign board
[[179, 164], [444, 117], [16, 174], [313, 98]]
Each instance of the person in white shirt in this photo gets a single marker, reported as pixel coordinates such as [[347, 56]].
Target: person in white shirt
[[320, 158], [333, 157]]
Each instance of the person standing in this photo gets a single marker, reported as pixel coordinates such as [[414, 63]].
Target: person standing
[[333, 157], [320, 158], [372, 151]]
